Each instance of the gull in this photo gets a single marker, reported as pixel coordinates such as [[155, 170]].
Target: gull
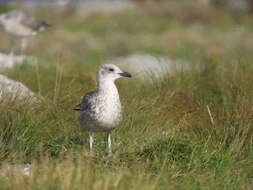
[[100, 110], [21, 24]]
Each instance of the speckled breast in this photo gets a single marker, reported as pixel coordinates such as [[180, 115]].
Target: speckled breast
[[102, 117]]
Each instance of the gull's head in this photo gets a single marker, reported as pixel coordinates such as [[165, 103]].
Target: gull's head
[[111, 72]]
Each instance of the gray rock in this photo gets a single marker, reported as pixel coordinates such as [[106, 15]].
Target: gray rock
[[13, 90], [88, 8]]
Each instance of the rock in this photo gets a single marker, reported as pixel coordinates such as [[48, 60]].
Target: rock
[[149, 67], [13, 90], [87, 8]]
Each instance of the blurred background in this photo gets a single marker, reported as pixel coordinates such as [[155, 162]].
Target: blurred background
[[91, 32]]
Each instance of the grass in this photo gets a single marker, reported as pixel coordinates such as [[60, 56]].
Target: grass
[[190, 131]]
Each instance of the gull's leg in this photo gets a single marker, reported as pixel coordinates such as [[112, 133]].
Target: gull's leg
[[90, 141], [109, 144], [23, 45], [12, 47], [12, 52]]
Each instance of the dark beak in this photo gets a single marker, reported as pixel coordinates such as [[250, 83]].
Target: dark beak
[[125, 74]]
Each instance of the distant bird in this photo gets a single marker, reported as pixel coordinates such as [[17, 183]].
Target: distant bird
[[100, 110], [21, 24]]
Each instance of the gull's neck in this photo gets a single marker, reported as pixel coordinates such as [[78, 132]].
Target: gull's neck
[[107, 87]]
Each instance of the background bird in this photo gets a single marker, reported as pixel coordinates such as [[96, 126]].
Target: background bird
[[22, 25], [100, 110]]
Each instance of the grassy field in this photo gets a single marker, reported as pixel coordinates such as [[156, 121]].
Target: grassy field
[[190, 131]]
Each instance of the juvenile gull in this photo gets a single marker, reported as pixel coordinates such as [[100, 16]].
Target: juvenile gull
[[21, 24], [100, 110]]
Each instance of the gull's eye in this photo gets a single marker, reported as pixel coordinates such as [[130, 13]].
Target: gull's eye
[[111, 69]]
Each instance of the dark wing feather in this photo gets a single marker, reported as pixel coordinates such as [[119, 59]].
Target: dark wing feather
[[86, 102]]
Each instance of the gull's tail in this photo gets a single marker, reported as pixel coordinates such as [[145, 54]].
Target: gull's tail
[[77, 107]]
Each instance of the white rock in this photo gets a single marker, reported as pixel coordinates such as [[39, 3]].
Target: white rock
[[149, 67], [86, 8], [15, 90]]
